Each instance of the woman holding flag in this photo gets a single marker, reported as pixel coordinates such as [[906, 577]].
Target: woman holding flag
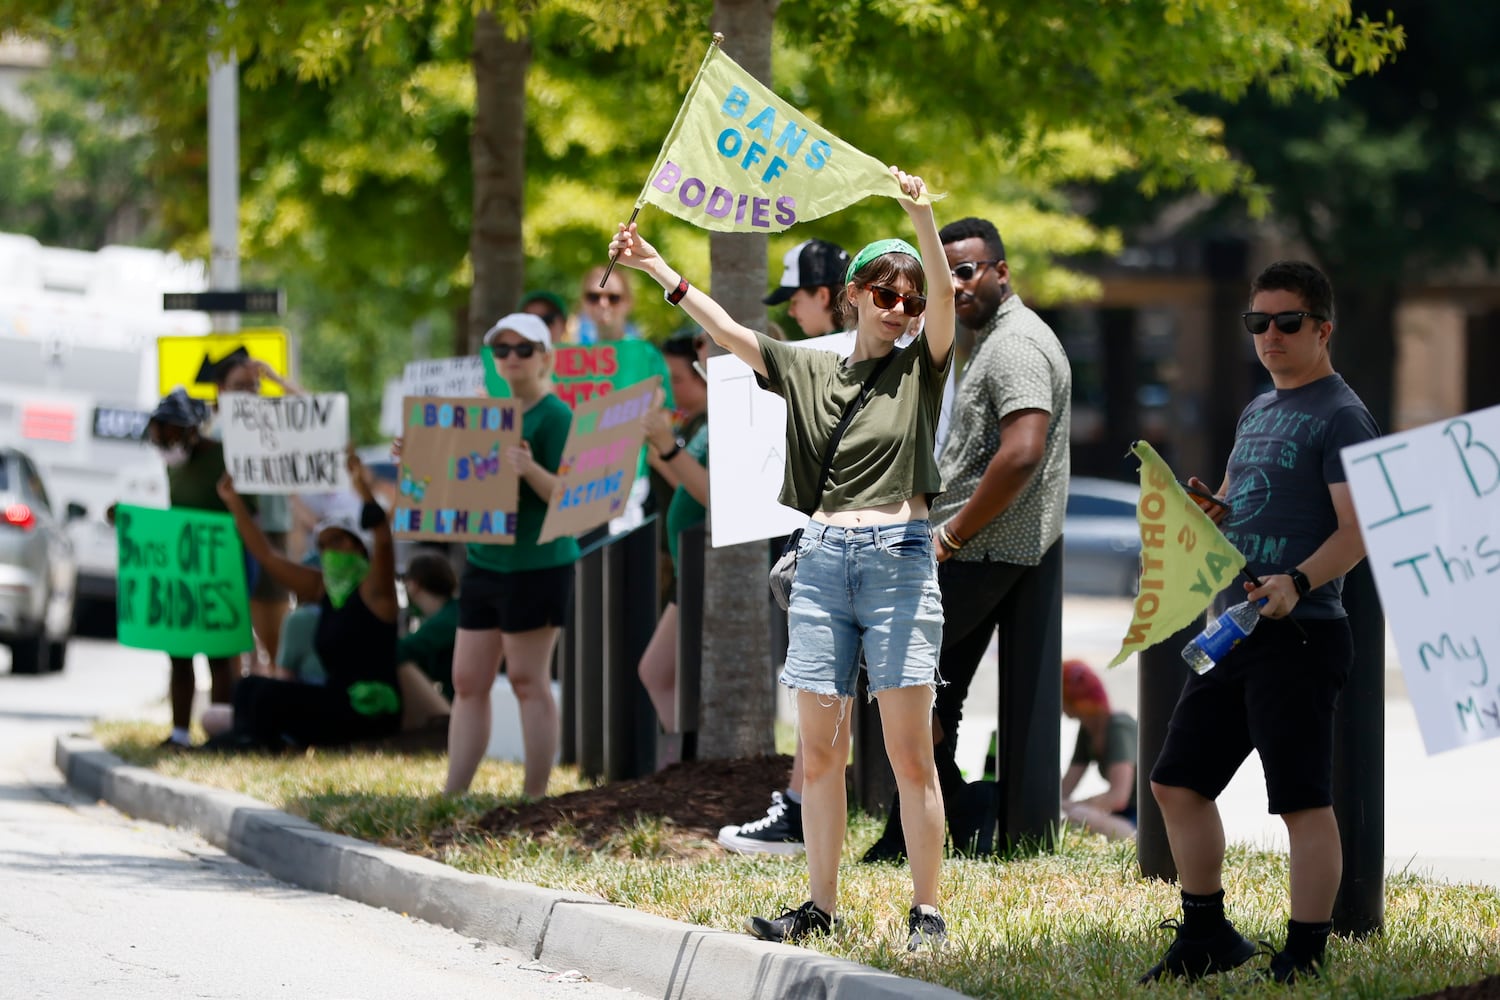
[[859, 462]]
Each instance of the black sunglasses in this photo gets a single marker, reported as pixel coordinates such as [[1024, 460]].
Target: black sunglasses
[[594, 298], [886, 298], [525, 350], [1287, 322], [971, 269]]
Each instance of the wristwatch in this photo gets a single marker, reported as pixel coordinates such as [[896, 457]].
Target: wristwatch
[[677, 445], [1300, 581]]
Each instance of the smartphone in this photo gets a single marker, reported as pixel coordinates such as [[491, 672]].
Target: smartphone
[[1194, 491]]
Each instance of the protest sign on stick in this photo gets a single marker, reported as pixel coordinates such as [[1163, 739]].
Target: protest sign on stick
[[455, 484], [600, 461], [182, 585], [286, 444], [1428, 503]]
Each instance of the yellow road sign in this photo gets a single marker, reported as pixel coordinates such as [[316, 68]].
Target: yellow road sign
[[180, 359]]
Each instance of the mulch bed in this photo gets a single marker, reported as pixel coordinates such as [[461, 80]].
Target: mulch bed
[[1487, 988], [694, 798]]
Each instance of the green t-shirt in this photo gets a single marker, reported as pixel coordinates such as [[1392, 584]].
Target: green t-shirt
[[885, 455], [685, 511], [544, 427], [430, 647], [1120, 738]]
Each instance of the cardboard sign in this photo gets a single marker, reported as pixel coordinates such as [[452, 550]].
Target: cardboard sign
[[1428, 502], [599, 462], [287, 444], [180, 359], [182, 582], [454, 482]]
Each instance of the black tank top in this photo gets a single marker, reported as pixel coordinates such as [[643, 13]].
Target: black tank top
[[354, 645]]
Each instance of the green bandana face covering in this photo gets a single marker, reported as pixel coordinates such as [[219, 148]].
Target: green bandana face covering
[[342, 573]]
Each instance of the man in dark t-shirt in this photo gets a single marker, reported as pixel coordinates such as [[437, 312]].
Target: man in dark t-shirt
[[1286, 506]]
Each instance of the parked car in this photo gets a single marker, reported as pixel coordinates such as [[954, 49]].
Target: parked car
[[38, 574], [1101, 538]]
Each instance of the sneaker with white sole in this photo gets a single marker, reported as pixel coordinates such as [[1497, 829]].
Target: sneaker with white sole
[[925, 926], [779, 831]]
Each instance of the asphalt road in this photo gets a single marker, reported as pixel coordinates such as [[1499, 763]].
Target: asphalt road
[[97, 904]]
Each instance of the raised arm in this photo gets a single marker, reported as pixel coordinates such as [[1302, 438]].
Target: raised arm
[[304, 581], [939, 319], [738, 340], [378, 588]]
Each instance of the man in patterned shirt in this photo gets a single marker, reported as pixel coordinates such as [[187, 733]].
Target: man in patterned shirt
[[1005, 483]]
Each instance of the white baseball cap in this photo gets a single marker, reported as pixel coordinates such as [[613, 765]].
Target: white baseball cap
[[528, 325]]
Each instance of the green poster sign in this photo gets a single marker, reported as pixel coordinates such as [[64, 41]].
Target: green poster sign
[[581, 373], [182, 582]]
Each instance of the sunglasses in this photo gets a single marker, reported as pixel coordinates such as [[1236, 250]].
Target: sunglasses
[[971, 269], [886, 298], [594, 298], [1287, 322], [519, 350]]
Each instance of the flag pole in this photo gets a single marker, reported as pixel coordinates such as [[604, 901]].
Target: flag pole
[[687, 101]]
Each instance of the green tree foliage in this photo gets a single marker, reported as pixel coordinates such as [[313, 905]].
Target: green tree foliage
[[74, 171], [355, 127]]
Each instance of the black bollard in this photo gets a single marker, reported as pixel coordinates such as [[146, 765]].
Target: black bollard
[[564, 667], [1160, 675], [1359, 764], [588, 664], [629, 617], [690, 588]]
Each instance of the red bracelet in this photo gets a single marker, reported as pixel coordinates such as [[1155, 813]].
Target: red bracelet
[[676, 294]]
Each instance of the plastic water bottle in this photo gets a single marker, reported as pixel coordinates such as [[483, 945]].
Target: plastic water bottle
[[1221, 635]]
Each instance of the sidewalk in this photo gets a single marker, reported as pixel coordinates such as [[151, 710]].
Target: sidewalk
[[610, 944]]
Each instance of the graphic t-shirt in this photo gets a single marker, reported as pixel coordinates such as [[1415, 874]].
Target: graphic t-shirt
[[1286, 454]]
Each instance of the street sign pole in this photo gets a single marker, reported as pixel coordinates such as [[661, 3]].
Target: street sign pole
[[224, 182]]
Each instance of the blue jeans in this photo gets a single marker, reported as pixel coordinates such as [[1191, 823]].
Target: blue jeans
[[871, 589]]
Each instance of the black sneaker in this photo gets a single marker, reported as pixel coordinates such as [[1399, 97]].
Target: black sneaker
[[779, 831], [924, 925], [1193, 958], [792, 925], [1288, 970]]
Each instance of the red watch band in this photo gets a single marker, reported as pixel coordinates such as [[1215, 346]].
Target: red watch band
[[676, 294]]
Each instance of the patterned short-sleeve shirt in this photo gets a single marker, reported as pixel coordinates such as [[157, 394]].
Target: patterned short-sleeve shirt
[[1018, 364]]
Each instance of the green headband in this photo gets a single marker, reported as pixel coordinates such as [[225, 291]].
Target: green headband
[[877, 249]]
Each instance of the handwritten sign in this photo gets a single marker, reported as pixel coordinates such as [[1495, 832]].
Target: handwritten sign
[[286, 444], [179, 359], [181, 582], [462, 376], [599, 462], [1428, 502], [454, 483], [583, 373]]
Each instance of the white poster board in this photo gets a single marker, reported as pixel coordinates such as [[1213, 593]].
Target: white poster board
[[1428, 502], [747, 451], [286, 444], [462, 376]]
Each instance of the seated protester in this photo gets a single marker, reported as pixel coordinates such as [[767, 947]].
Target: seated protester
[[356, 634], [1107, 740], [424, 658], [297, 656]]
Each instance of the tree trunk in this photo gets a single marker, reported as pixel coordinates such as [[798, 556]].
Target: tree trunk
[[738, 702], [497, 151]]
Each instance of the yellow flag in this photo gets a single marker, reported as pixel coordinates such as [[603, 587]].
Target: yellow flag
[[1185, 558], [739, 159]]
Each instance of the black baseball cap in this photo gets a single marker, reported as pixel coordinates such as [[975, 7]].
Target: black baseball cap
[[810, 264]]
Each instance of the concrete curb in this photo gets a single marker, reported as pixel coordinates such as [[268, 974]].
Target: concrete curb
[[611, 944]]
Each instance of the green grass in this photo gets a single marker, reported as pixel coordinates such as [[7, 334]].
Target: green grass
[[1080, 922]]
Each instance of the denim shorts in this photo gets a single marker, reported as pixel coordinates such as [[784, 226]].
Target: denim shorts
[[872, 590]]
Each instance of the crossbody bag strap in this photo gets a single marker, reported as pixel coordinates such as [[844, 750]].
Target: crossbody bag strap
[[858, 402]]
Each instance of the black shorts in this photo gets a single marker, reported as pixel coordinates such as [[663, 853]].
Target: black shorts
[[515, 602], [1275, 694]]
